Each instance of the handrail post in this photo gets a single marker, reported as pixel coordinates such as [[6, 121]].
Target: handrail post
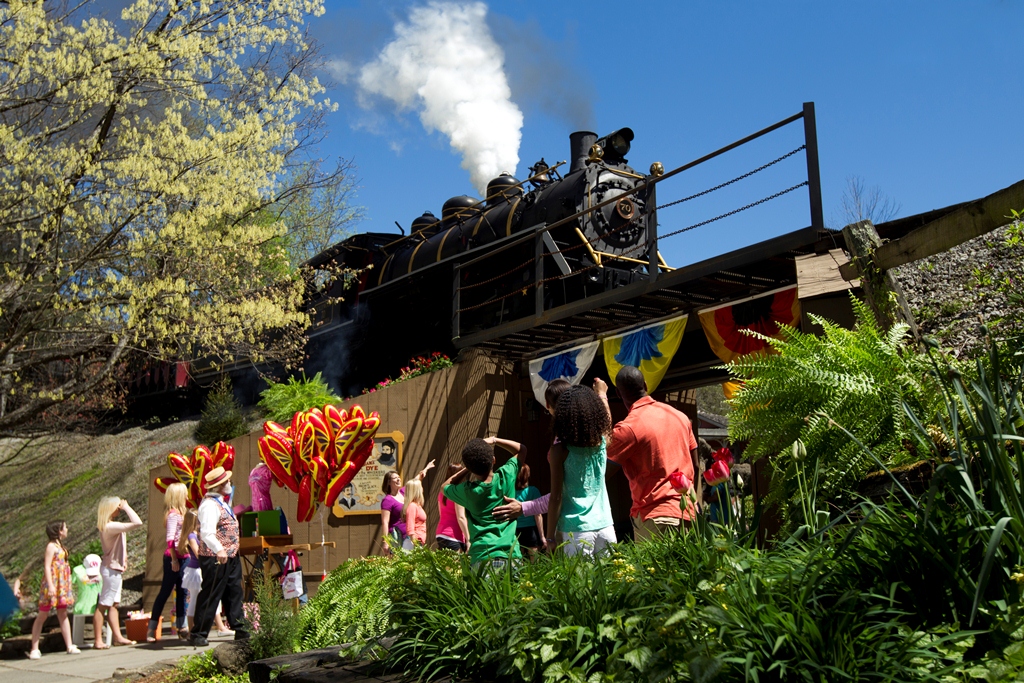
[[652, 234], [813, 172], [538, 274], [456, 301]]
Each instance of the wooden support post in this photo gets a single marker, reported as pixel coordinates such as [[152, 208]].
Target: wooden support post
[[881, 290]]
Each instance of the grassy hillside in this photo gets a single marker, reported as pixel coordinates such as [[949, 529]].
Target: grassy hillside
[[64, 476]]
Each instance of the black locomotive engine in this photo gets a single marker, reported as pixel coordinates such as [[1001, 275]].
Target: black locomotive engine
[[407, 295]]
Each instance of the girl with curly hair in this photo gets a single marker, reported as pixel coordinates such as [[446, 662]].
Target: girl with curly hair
[[579, 509]]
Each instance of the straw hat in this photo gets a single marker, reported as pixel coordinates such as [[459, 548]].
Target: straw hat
[[216, 477]]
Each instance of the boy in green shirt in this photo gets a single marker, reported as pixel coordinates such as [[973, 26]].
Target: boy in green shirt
[[480, 488]]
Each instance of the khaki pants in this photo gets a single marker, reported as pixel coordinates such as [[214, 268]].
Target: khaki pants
[[648, 528]]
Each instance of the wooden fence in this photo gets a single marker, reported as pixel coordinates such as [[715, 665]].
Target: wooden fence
[[437, 413]]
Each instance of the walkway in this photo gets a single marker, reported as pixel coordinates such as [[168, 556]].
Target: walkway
[[94, 665]]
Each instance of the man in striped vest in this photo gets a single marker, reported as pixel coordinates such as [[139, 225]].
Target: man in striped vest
[[218, 559]]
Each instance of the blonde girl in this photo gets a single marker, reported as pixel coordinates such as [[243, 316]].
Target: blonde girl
[[191, 574], [55, 593], [174, 510], [115, 560], [415, 517]]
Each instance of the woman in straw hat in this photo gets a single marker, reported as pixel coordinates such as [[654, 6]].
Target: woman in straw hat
[[218, 559]]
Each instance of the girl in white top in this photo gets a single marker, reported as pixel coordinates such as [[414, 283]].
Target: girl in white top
[[115, 561]]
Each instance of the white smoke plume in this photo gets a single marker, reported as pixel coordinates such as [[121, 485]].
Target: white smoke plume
[[444, 63]]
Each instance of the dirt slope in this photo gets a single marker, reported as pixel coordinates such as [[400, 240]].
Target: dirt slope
[[64, 476]]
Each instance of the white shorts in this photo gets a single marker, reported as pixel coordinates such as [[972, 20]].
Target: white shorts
[[110, 594], [588, 542]]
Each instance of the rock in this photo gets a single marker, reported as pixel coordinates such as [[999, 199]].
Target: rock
[[232, 657]]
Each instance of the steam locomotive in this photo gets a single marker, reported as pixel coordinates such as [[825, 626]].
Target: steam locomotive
[[406, 296]]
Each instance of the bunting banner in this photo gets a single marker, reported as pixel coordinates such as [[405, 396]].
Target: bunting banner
[[570, 365], [649, 348], [724, 325]]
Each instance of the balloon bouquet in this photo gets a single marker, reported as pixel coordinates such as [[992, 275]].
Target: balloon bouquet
[[319, 453], [191, 471]]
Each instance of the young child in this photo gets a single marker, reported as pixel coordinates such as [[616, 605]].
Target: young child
[[579, 509], [114, 562], [191, 575], [85, 581], [55, 593], [480, 488], [415, 517], [529, 529]]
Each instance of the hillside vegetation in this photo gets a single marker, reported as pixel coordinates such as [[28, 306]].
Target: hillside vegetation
[[63, 476]]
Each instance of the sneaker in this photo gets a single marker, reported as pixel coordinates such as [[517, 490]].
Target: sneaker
[[198, 641], [73, 650], [35, 654]]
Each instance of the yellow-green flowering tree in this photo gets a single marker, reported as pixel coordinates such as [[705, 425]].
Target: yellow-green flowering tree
[[139, 161]]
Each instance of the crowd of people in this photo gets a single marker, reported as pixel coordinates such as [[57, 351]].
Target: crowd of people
[[200, 566], [496, 515], [493, 514]]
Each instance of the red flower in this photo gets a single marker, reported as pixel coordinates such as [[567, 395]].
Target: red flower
[[680, 482], [724, 455], [717, 474]]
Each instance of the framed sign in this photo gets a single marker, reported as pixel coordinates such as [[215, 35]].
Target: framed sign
[[363, 495]]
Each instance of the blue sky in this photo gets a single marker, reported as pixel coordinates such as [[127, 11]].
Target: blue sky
[[921, 99]]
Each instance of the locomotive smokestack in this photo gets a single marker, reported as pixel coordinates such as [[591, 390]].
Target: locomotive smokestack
[[580, 143]]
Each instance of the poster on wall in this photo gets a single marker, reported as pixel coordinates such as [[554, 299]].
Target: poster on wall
[[363, 495]]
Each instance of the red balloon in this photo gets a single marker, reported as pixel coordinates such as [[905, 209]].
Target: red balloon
[[277, 455], [223, 455], [307, 504]]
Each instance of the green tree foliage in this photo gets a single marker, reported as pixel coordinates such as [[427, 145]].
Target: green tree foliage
[[859, 378], [281, 400], [142, 158], [222, 418]]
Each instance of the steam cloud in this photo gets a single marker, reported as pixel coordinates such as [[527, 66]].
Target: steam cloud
[[445, 64]]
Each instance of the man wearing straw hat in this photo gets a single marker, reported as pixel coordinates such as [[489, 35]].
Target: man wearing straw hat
[[218, 559]]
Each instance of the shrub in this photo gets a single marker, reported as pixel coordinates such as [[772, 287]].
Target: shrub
[[222, 418], [202, 668], [11, 627], [420, 365], [273, 628], [353, 603], [861, 378], [281, 400]]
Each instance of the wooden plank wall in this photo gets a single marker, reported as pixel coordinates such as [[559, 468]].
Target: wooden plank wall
[[437, 413]]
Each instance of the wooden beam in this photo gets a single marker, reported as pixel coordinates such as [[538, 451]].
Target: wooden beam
[[971, 220]]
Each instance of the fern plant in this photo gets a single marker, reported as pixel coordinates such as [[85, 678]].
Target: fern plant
[[281, 400], [353, 603], [859, 378]]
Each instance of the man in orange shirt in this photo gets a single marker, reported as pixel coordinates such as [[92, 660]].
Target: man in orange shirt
[[652, 442]]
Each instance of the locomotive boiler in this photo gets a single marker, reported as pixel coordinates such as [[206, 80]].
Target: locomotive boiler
[[469, 262]]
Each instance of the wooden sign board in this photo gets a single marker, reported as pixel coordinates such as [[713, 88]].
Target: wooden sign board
[[364, 494]]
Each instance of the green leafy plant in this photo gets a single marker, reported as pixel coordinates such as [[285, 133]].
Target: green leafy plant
[[11, 627], [273, 627], [352, 604], [222, 418], [861, 378], [281, 400]]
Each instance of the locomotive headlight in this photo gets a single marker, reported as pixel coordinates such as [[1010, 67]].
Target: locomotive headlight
[[616, 145]]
